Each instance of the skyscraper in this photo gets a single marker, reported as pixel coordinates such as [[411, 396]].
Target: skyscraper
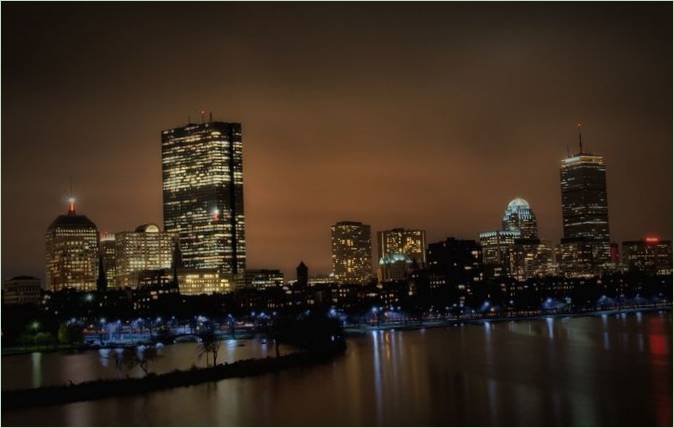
[[520, 217], [146, 248], [202, 171], [107, 250], [351, 252], [399, 249], [586, 241], [72, 252]]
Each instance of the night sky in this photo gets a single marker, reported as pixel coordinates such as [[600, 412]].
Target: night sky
[[427, 115]]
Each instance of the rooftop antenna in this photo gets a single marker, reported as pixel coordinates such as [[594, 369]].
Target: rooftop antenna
[[579, 125], [203, 113], [71, 199]]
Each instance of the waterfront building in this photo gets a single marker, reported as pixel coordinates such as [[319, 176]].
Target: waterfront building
[[21, 290], [107, 253], [455, 263], [398, 250], [71, 252], [496, 249], [584, 213], [263, 278], [520, 217], [202, 172], [351, 252], [145, 249], [651, 254]]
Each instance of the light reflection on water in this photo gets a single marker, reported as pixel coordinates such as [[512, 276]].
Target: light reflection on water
[[551, 371]]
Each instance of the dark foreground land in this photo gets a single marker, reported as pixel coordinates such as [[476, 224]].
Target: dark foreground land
[[52, 395]]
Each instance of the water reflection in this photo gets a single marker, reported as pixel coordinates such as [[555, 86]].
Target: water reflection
[[543, 372]]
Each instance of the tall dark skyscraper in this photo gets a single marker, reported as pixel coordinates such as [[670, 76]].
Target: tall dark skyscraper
[[202, 172], [584, 213]]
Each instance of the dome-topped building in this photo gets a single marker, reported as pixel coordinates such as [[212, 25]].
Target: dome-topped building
[[520, 217], [72, 252]]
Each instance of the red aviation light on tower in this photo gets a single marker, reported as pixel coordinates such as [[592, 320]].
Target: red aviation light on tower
[[71, 206], [652, 240]]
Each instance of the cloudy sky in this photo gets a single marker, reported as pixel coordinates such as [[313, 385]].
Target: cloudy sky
[[395, 114]]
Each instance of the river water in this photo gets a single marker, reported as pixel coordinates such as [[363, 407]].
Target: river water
[[596, 370]]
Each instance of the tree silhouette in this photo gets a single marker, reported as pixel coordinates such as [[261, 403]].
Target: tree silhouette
[[210, 344]]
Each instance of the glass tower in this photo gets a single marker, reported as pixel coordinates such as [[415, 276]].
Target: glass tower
[[202, 172]]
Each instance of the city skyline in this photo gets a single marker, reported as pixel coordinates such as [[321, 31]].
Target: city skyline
[[458, 181]]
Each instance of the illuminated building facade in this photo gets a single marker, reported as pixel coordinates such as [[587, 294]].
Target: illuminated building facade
[[264, 278], [107, 255], [202, 171], [145, 249], [652, 254], [496, 249], [72, 252], [584, 214], [203, 281], [21, 290], [520, 217], [455, 263], [398, 250], [351, 252], [531, 258]]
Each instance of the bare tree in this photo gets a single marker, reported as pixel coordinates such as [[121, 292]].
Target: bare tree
[[210, 345]]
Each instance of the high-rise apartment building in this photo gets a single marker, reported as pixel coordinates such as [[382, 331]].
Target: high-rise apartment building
[[202, 171], [455, 263], [398, 250], [72, 252], [496, 251], [145, 249], [351, 252], [584, 214], [651, 254]]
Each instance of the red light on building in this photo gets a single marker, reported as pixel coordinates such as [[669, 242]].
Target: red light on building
[[652, 239]]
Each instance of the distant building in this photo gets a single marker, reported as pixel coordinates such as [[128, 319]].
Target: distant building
[[302, 275], [21, 290], [202, 174], [72, 252], [321, 279], [584, 214], [496, 251], [145, 249], [351, 252], [107, 252], [455, 263], [264, 278], [651, 254], [520, 217], [531, 258], [398, 250], [204, 281]]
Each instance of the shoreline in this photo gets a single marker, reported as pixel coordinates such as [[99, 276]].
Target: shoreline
[[355, 329], [107, 388], [418, 325]]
